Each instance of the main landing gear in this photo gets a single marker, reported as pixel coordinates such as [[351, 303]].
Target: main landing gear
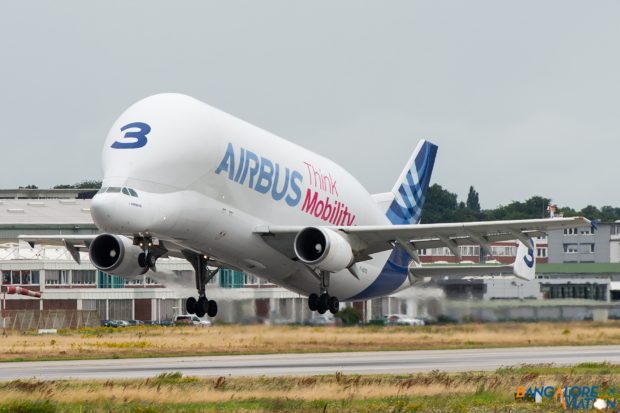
[[324, 301], [202, 305]]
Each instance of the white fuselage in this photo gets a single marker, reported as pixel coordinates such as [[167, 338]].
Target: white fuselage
[[206, 180]]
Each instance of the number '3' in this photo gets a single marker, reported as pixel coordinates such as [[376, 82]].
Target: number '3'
[[134, 138]]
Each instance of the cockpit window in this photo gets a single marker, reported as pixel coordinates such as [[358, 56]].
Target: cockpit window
[[114, 189], [125, 191], [132, 192]]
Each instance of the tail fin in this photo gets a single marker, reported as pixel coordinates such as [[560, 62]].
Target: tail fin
[[524, 266], [409, 192]]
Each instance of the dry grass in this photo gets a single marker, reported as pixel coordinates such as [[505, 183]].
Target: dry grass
[[433, 391], [168, 341]]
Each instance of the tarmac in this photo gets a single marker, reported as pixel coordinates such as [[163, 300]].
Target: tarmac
[[306, 364]]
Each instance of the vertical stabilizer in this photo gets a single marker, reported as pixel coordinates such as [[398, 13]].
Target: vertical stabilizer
[[409, 192]]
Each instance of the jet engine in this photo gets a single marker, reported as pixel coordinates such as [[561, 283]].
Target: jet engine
[[117, 254], [323, 248]]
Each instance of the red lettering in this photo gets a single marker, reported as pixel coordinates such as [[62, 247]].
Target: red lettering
[[308, 205]]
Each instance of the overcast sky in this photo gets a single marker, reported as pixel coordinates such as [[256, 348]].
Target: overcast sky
[[522, 98]]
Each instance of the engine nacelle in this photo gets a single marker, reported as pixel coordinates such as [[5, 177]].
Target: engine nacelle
[[323, 248], [117, 254]]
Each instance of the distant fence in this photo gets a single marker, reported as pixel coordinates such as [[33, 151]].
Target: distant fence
[[24, 320]]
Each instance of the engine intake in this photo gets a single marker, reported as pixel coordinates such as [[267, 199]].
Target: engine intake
[[323, 248], [118, 255]]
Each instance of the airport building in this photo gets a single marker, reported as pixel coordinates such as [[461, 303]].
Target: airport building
[[577, 266]]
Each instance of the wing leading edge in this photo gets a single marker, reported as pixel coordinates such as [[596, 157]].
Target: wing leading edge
[[378, 238]]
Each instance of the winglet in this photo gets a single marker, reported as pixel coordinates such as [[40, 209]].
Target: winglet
[[524, 266]]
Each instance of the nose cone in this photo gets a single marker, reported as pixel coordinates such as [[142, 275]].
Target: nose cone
[[103, 210]]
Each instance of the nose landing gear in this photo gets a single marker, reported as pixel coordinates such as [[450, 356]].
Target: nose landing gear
[[151, 251], [323, 302], [202, 305]]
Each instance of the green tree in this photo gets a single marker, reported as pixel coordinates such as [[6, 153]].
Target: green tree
[[440, 205], [85, 184], [473, 201], [349, 316]]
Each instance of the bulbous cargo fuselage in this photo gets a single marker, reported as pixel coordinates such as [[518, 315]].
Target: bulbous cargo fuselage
[[186, 172]]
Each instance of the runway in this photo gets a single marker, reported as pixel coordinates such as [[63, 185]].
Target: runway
[[388, 362]]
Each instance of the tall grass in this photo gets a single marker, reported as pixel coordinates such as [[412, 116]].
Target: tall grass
[[161, 341], [432, 392]]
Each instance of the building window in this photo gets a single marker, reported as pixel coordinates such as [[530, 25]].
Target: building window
[[84, 277], [570, 248], [17, 277], [541, 252], [570, 231], [52, 277], [250, 280]]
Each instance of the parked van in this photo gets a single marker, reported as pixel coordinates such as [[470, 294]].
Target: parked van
[[192, 320]]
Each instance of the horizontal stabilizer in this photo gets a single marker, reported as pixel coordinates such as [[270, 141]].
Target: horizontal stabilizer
[[524, 267]]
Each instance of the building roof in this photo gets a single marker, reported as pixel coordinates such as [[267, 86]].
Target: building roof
[[579, 268], [24, 193], [27, 212]]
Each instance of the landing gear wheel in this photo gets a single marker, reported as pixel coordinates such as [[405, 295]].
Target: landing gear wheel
[[142, 260], [211, 308], [313, 302], [323, 303], [334, 305], [190, 305], [201, 307], [150, 260]]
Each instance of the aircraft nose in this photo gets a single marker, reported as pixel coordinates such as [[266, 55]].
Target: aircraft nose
[[102, 208]]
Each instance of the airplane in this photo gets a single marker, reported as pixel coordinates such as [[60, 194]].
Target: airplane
[[184, 179]]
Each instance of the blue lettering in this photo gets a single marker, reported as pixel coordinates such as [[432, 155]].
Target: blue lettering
[[139, 136], [241, 159], [294, 200], [548, 391], [264, 175], [263, 184], [274, 188], [250, 156], [574, 403], [228, 162]]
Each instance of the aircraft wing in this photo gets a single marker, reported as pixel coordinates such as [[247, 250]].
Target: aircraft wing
[[377, 238], [76, 243]]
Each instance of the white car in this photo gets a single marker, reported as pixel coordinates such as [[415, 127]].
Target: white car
[[191, 320], [403, 320]]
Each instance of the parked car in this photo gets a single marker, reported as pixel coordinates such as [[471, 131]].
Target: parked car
[[403, 320], [135, 322], [122, 323], [254, 320], [188, 319], [109, 323], [323, 320]]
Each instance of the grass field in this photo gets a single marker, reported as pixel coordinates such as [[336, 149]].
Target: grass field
[[228, 339], [428, 392]]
